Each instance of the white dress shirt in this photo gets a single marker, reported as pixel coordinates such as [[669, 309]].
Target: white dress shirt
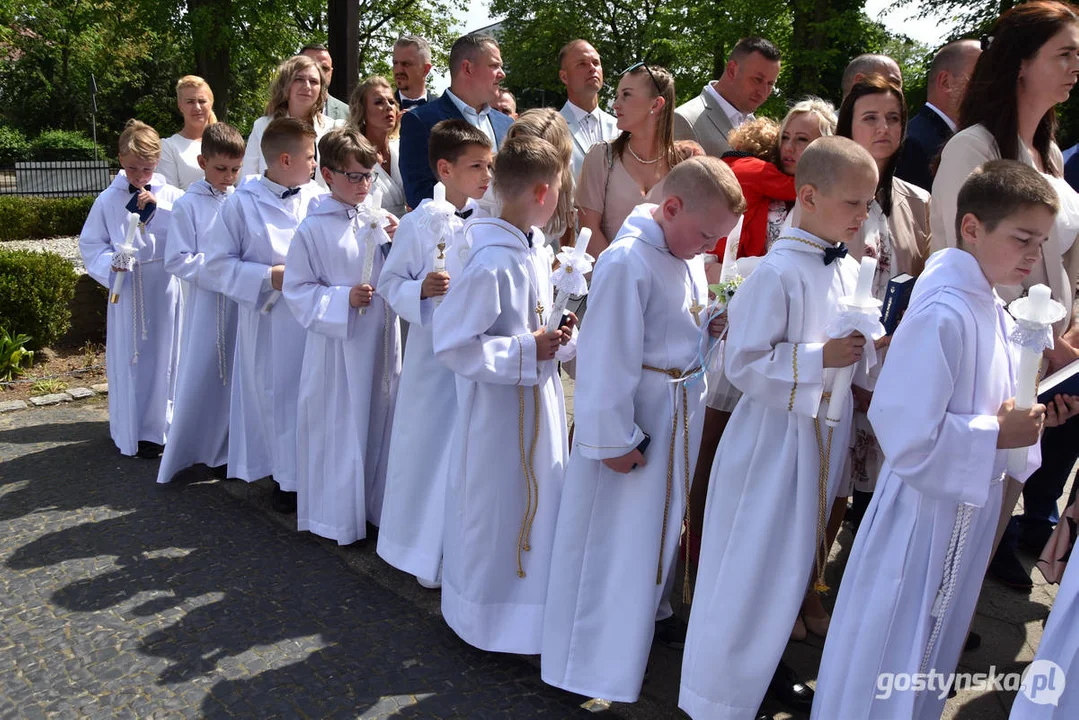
[[589, 122], [733, 114], [945, 118], [476, 119]]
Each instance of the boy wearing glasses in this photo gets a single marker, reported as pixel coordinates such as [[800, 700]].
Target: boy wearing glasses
[[351, 357], [410, 536], [245, 260]]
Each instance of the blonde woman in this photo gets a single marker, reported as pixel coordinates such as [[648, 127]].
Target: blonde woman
[[373, 110], [180, 152], [548, 124], [298, 90], [616, 176]]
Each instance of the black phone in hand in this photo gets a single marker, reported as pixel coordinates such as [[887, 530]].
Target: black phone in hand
[[642, 446]]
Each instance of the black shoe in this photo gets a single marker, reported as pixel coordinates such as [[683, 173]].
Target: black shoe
[[974, 641], [221, 472], [282, 501], [1006, 568], [1033, 537], [671, 632], [149, 450], [789, 690]]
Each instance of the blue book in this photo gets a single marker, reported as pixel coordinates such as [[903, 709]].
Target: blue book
[[1064, 381], [896, 300]]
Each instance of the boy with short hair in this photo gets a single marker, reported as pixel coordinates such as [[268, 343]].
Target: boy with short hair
[[200, 418], [509, 444], [621, 516], [944, 412], [245, 260], [413, 513], [143, 322], [776, 466], [351, 358]]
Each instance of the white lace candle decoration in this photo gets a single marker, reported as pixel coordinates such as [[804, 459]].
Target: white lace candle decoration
[[123, 259], [568, 279], [860, 313], [371, 221], [441, 219], [729, 269], [1034, 317]]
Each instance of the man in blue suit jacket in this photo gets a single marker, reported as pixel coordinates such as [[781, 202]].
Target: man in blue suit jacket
[[934, 125], [475, 74]]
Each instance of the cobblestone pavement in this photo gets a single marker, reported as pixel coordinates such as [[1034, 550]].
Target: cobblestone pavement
[[122, 598]]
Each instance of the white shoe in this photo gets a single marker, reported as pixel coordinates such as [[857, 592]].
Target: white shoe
[[429, 585]]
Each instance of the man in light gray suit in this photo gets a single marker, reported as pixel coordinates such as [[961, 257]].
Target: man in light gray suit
[[726, 103], [581, 71]]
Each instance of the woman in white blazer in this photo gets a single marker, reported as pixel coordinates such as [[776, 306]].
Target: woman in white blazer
[[1030, 66], [298, 90], [373, 110]]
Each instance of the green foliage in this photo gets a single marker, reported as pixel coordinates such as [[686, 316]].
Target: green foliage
[[32, 217], [48, 386], [35, 292], [14, 357], [61, 145], [13, 145]]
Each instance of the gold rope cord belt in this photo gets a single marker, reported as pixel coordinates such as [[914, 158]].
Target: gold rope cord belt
[[821, 558], [528, 467], [676, 374]]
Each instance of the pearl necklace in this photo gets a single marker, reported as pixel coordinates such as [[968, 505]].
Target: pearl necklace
[[639, 159]]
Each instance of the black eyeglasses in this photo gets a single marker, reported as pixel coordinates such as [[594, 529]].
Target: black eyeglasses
[[643, 64], [355, 178]]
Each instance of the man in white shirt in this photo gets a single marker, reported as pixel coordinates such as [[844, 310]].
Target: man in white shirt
[[475, 74], [935, 124], [726, 103], [581, 71], [336, 109], [411, 66]]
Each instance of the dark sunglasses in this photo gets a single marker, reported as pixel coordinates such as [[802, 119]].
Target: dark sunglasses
[[641, 64]]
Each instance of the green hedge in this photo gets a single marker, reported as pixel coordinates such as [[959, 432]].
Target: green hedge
[[35, 295], [53, 145], [31, 217], [14, 147]]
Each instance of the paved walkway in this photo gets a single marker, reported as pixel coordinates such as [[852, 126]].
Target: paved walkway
[[121, 598]]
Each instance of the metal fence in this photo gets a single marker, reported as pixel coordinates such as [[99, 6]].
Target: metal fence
[[57, 178]]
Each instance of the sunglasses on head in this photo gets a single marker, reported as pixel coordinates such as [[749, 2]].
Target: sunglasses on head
[[643, 64]]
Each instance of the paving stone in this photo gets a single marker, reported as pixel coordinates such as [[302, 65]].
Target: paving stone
[[102, 388], [11, 405], [50, 399], [80, 393]]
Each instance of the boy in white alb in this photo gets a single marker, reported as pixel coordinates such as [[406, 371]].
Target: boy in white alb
[[762, 519], [200, 418], [509, 445], [621, 517], [144, 318], [245, 260], [351, 358], [414, 509], [943, 414]]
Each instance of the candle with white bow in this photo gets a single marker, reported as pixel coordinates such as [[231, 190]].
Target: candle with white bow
[[573, 264], [861, 303], [1034, 316], [127, 248], [374, 221], [729, 269]]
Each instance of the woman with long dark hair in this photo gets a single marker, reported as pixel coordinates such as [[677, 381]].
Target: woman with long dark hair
[[1030, 66]]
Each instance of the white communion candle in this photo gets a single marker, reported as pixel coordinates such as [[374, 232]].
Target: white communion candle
[[863, 297], [440, 192], [1027, 376], [127, 247], [554, 320]]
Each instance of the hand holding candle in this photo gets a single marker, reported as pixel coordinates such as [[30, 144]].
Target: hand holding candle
[[123, 256], [568, 279], [1034, 316], [372, 222], [861, 303]]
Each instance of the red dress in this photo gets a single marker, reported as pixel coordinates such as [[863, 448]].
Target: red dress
[[762, 182]]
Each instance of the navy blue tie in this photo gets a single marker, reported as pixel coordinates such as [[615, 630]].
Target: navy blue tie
[[289, 193], [831, 254], [463, 214], [407, 103]]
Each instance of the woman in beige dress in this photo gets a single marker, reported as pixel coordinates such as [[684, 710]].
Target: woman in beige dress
[[617, 176]]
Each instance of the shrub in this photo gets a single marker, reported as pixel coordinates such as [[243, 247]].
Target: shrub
[[62, 145], [33, 217], [13, 146], [35, 295], [13, 354]]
